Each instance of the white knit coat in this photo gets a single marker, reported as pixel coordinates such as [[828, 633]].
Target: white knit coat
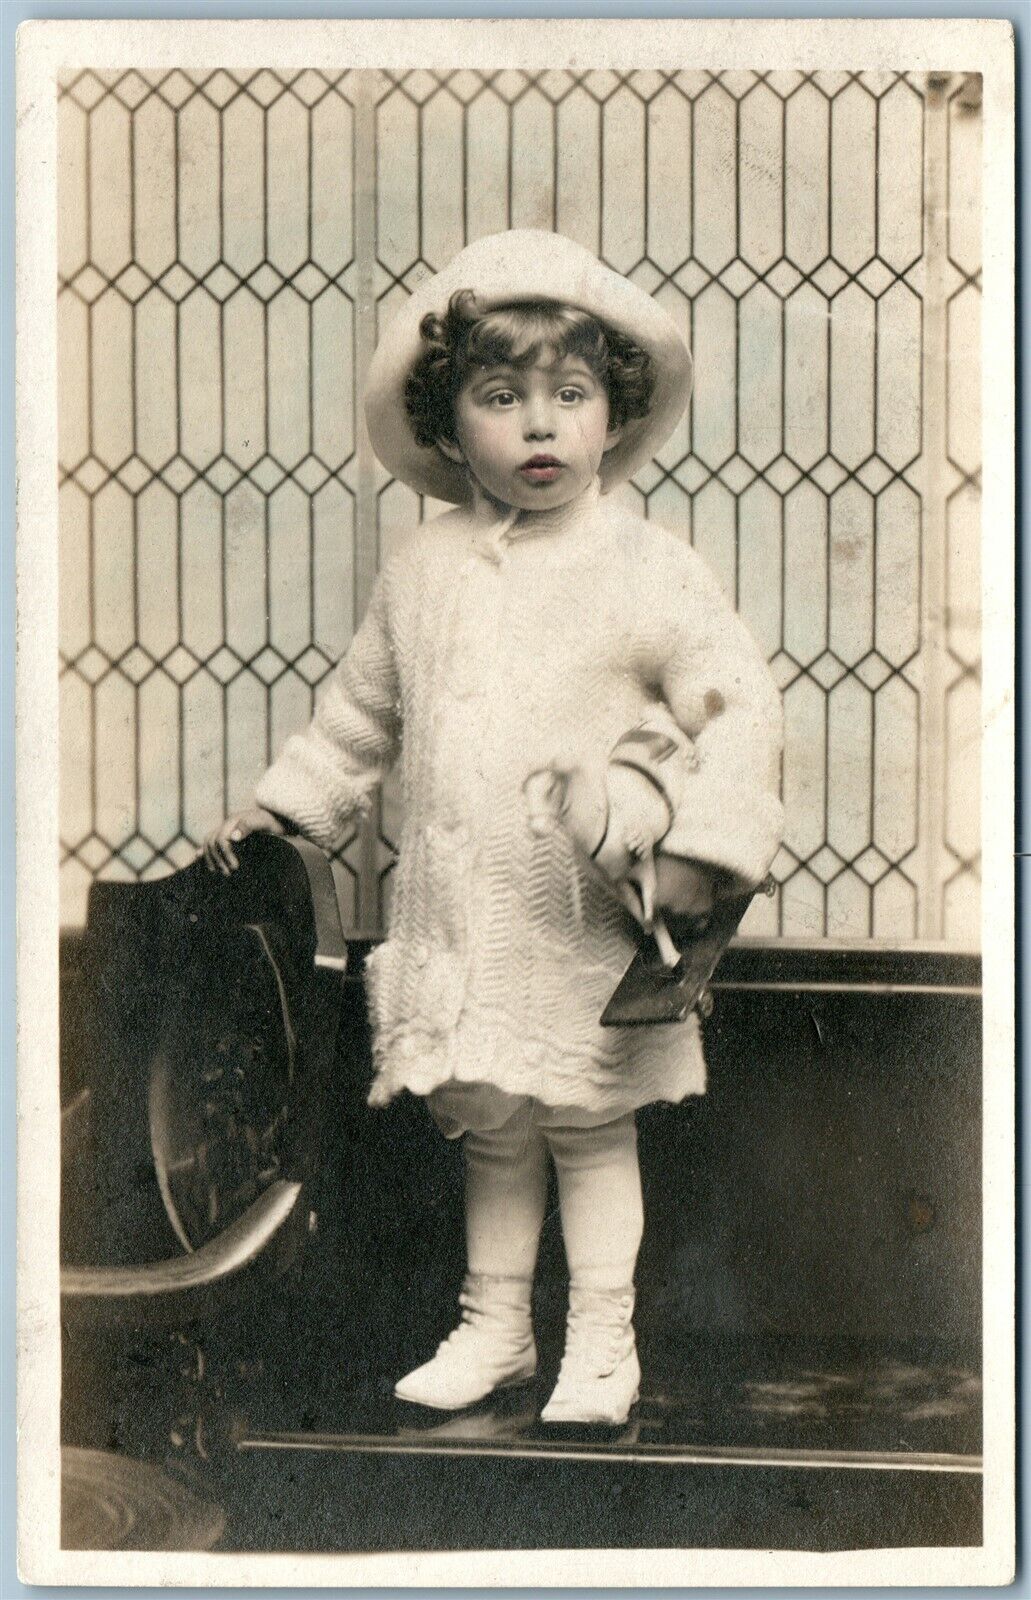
[[483, 656]]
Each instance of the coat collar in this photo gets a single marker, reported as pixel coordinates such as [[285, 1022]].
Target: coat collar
[[496, 530]]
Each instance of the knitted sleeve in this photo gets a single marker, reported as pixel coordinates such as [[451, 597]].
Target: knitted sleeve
[[725, 783], [327, 775]]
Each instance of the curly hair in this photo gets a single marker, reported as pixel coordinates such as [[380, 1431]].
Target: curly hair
[[465, 338]]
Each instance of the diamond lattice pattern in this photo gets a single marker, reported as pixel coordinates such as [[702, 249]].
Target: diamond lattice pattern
[[225, 237]]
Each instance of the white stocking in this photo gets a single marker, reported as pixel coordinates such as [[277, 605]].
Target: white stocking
[[599, 1186], [505, 1197]]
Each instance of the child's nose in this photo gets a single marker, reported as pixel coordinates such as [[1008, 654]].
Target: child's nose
[[538, 421]]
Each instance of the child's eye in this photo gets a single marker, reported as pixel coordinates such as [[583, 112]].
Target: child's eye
[[569, 396], [503, 399]]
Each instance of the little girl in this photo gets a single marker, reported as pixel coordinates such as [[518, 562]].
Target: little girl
[[538, 635]]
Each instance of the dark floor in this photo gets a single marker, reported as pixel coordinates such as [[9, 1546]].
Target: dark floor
[[779, 1453], [785, 1447], [322, 1501], [736, 1398]]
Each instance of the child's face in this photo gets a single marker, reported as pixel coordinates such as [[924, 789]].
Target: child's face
[[533, 437]]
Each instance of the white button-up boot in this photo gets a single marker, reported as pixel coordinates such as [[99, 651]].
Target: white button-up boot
[[600, 1375], [492, 1347]]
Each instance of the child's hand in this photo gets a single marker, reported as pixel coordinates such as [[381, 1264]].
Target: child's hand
[[658, 883], [218, 846]]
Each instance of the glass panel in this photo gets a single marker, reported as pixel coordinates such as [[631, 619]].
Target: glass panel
[[899, 419], [669, 180], [157, 570], [853, 187], [817, 386], [397, 167], [441, 190], [577, 199], [533, 163], [715, 173], [805, 778], [115, 760], [112, 379], [761, 160], [488, 197], [154, 369], [202, 600], [900, 177], [849, 768], [288, 183], [333, 569], [110, 187], [289, 378], [160, 760], [332, 221], [154, 197], [200, 353], [243, 184], [806, 155], [760, 376], [246, 558], [715, 396], [113, 559], [332, 354], [199, 232], [623, 192], [204, 797], [851, 573], [243, 344], [895, 773], [289, 557]]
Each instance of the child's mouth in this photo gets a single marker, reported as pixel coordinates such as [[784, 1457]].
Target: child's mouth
[[541, 469]]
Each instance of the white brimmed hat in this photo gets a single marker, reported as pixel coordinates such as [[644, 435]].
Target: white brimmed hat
[[504, 269]]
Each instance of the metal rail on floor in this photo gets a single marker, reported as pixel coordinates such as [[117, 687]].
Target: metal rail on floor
[[649, 1455]]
